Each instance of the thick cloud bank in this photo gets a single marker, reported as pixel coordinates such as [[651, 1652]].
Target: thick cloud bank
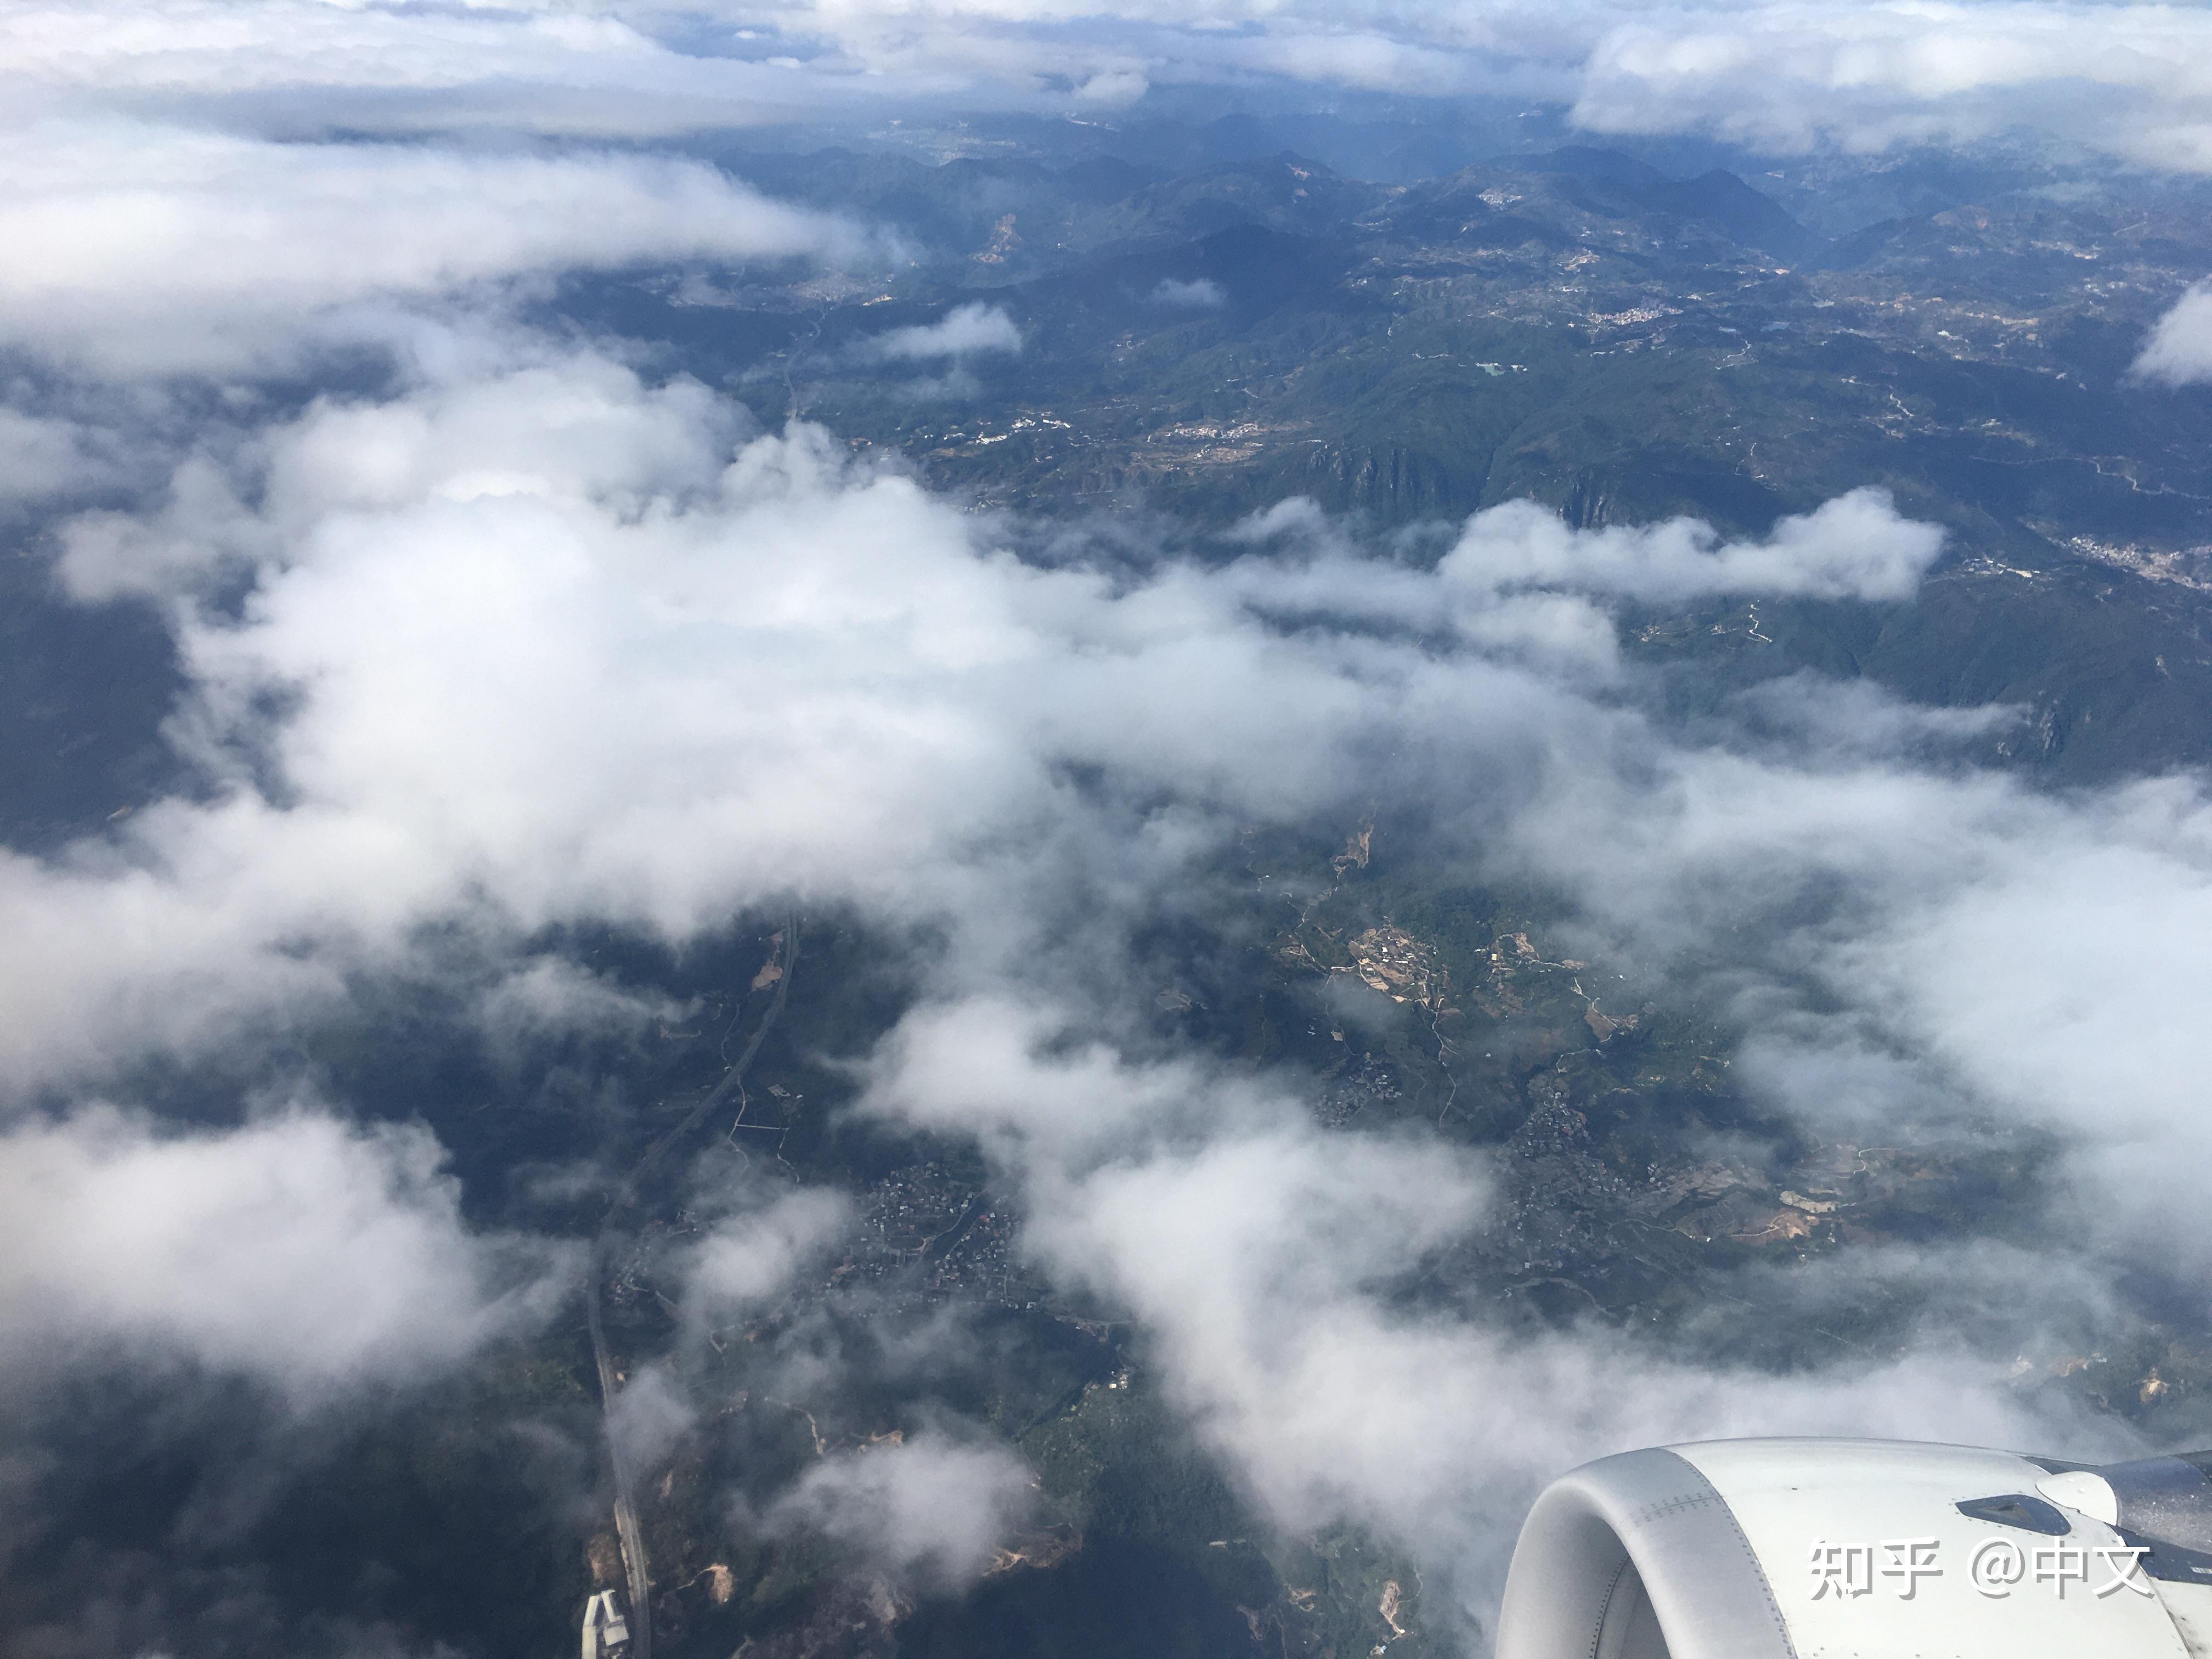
[[2131, 80], [550, 653]]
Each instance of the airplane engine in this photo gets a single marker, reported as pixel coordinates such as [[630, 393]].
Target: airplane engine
[[1855, 1549]]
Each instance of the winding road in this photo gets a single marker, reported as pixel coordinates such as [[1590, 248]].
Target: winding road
[[636, 1568]]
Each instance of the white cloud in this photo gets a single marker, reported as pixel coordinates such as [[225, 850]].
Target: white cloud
[[550, 653], [928, 1511], [2179, 349], [2131, 80], [1991, 952], [1853, 547], [318, 1257], [615, 67], [750, 1259], [548, 657], [1203, 295], [167, 250], [549, 996], [544, 643], [1113, 89], [303, 67], [159, 47], [650, 1414], [43, 456], [1519, 583], [1265, 1262], [963, 331]]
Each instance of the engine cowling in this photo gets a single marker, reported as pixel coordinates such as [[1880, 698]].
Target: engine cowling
[[1820, 1549]]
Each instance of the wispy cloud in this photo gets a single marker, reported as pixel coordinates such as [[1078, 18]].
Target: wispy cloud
[[968, 331]]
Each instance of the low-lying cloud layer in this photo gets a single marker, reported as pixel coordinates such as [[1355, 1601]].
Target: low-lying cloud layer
[[512, 635], [551, 654], [963, 331], [929, 1511], [1259, 1252], [543, 643], [2132, 81]]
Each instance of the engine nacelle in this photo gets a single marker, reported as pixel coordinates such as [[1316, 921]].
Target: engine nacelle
[[1818, 1549]]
